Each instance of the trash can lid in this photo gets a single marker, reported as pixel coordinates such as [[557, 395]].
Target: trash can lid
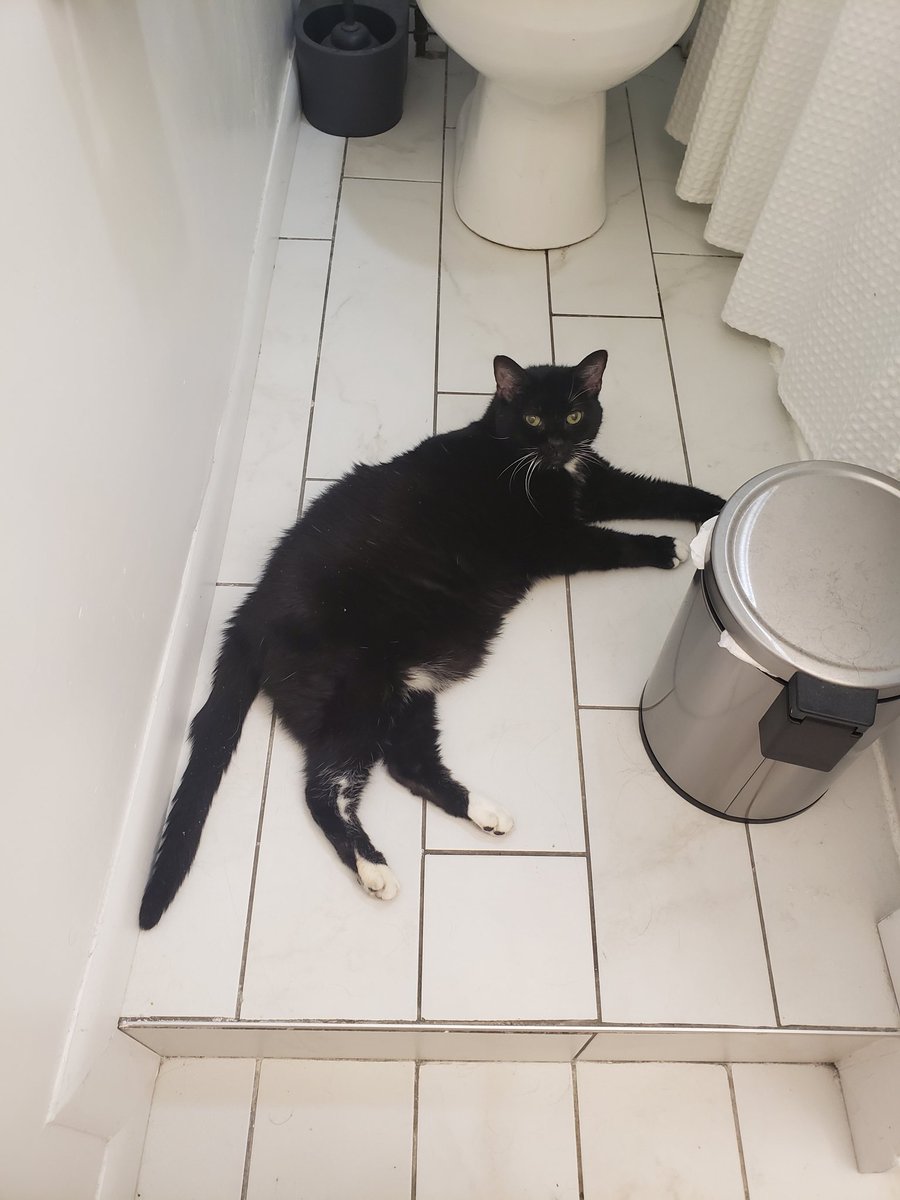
[[804, 573]]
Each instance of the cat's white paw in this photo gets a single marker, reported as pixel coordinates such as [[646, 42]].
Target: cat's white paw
[[682, 552], [489, 816], [378, 879]]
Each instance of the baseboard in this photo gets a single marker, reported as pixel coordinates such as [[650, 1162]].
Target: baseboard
[[77, 1102], [473, 1042]]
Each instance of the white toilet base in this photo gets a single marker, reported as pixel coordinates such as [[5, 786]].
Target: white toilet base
[[530, 175]]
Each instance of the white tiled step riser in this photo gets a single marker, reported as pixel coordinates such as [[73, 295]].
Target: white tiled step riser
[[487, 1130], [502, 1044]]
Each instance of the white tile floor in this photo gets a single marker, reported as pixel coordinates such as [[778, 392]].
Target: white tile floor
[[233, 1129], [613, 900]]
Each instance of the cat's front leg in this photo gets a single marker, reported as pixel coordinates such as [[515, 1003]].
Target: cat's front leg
[[608, 494], [582, 548]]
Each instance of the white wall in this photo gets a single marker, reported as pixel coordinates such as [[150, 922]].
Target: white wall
[[135, 137]]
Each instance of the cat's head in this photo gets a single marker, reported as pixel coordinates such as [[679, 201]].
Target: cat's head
[[552, 412]]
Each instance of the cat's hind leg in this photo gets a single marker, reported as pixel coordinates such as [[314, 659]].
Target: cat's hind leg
[[333, 791], [412, 756]]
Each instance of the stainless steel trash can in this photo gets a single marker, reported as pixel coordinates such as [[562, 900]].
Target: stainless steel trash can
[[802, 576]]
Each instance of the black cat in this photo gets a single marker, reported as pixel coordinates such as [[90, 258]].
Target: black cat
[[393, 585]]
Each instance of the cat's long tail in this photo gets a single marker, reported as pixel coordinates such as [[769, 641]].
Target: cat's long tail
[[215, 733]]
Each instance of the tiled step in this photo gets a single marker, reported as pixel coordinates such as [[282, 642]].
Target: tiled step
[[245, 1130]]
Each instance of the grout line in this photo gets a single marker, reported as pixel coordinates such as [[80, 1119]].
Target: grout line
[[737, 1130], [454, 392], [414, 1165], [588, 1026], [251, 1129], [476, 853], [584, 812], [694, 254], [389, 179], [609, 707], [577, 1116], [762, 926], [252, 896], [550, 306], [283, 238], [440, 251], [665, 328], [230, 583], [421, 951], [608, 316], [315, 384]]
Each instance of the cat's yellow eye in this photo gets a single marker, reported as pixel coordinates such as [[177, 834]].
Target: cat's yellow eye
[[574, 417], [533, 421]]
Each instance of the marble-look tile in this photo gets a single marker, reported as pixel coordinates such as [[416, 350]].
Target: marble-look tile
[[375, 392], [795, 1136], [507, 938], [621, 618], [640, 429], [268, 484], [197, 1132], [319, 947], [313, 489], [493, 301], [455, 410], [460, 81], [315, 182], [734, 423], [678, 933], [611, 272], [508, 734], [413, 149], [720, 1045], [676, 227], [332, 1130], [492, 1130], [424, 1043], [657, 1129], [826, 878], [190, 964]]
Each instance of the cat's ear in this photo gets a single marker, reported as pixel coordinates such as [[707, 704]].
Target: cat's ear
[[589, 372], [510, 377]]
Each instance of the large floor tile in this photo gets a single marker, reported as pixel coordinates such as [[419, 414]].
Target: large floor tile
[[640, 429], [315, 182], [268, 486], [507, 938], [676, 227], [319, 947], [496, 1131], [826, 878], [653, 1130], [734, 423], [611, 272], [190, 964], [413, 148], [457, 410], [197, 1133], [332, 1130], [621, 618], [493, 301], [375, 391], [460, 81], [509, 734], [795, 1137], [678, 932]]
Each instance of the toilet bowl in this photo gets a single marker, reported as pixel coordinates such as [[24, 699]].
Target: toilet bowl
[[530, 139]]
